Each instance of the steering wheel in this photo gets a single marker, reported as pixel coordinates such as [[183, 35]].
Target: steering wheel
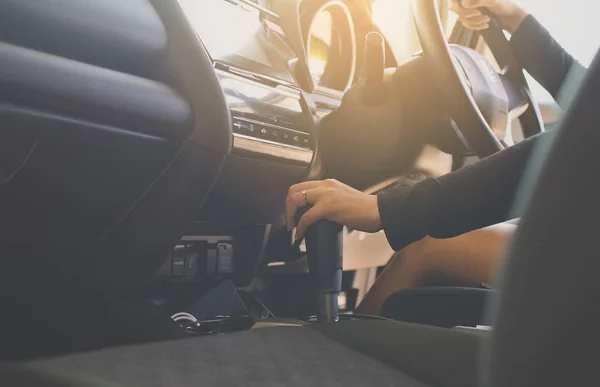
[[481, 101]]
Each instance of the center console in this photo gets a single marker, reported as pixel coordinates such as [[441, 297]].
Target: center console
[[272, 129], [273, 146]]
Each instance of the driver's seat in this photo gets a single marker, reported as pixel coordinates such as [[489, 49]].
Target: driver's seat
[[545, 329]]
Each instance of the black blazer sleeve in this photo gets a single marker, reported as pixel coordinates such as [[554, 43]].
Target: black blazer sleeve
[[481, 194], [473, 197], [542, 56]]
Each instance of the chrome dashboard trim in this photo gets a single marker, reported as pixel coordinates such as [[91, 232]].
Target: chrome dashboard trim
[[261, 147], [271, 126], [257, 7], [245, 76], [327, 92], [214, 239]]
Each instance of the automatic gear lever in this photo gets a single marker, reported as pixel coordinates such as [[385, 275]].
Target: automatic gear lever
[[324, 251], [373, 91]]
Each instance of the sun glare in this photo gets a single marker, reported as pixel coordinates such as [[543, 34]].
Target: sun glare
[[319, 44]]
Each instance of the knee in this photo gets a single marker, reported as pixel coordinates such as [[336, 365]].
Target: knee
[[421, 248], [414, 256]]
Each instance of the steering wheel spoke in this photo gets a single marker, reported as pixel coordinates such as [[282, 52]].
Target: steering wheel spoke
[[517, 101]]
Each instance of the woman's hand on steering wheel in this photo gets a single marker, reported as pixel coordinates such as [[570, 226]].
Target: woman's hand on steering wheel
[[509, 13], [333, 201], [482, 102]]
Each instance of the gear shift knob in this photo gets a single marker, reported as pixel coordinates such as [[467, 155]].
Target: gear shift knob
[[325, 264], [373, 69]]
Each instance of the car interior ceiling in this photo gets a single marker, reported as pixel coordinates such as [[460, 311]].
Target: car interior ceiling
[[145, 157]]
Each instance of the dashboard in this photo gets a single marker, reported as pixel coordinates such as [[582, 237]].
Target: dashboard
[[167, 132], [241, 34], [281, 65], [262, 59], [164, 121]]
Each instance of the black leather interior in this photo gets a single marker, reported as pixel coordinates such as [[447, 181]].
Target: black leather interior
[[273, 357], [545, 326], [95, 192], [127, 36], [104, 162], [240, 174], [80, 90], [439, 306]]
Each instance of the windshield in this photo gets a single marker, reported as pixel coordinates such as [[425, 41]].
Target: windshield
[[574, 25]]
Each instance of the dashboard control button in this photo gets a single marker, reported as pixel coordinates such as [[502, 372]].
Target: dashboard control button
[[178, 265], [224, 258], [270, 132], [191, 265], [211, 261]]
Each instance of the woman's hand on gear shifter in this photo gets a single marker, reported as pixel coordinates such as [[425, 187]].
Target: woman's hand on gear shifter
[[509, 13], [333, 201]]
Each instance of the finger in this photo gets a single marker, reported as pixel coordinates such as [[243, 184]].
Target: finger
[[475, 20], [476, 24], [295, 201], [479, 26], [464, 12], [470, 4], [305, 186], [292, 203], [312, 216], [456, 6], [469, 13]]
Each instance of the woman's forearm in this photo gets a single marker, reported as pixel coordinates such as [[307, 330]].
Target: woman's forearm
[[541, 55], [473, 197], [513, 21]]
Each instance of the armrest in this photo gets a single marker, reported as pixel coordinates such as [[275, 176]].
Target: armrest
[[438, 306]]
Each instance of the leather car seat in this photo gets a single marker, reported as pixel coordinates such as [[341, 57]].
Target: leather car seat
[[442, 306]]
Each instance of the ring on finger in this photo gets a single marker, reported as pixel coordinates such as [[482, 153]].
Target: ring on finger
[[306, 202]]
